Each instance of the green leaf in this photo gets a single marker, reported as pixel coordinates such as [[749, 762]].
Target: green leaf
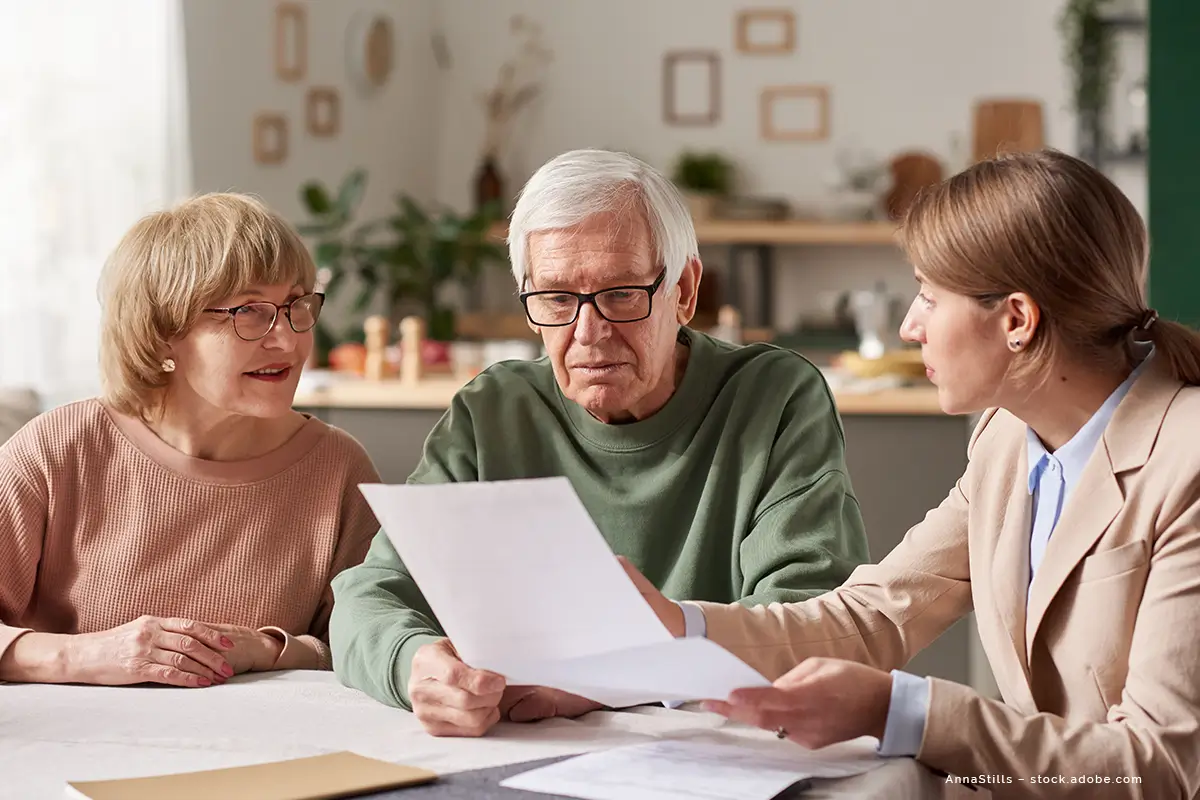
[[319, 229], [315, 198], [411, 211], [368, 230], [354, 186], [329, 253]]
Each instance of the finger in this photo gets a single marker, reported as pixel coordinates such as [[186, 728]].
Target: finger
[[765, 697], [452, 672], [435, 693], [757, 717], [161, 673], [198, 630], [196, 650], [512, 696], [802, 672], [717, 707], [182, 663], [532, 708], [444, 721], [639, 580]]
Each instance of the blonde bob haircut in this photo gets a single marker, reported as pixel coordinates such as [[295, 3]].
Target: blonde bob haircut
[[171, 266]]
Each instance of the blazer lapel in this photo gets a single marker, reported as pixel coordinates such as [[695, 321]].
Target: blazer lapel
[[1010, 564], [1095, 502], [1093, 505]]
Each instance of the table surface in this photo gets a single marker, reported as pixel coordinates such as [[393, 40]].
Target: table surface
[[53, 734]]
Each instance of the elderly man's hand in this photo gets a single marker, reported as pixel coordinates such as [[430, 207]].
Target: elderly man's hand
[[669, 613], [533, 703], [450, 698]]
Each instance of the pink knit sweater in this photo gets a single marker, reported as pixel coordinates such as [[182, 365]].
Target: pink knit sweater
[[102, 522]]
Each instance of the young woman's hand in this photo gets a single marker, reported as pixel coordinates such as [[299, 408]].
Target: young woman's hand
[[822, 701], [669, 612]]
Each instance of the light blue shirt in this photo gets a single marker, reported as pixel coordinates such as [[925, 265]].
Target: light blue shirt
[[1052, 476]]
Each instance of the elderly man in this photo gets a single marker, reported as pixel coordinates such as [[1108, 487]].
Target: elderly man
[[715, 469]]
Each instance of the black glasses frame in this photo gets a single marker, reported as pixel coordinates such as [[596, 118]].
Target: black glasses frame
[[590, 297], [286, 308]]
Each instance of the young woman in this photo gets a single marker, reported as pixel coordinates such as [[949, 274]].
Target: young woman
[[185, 526], [1074, 533]]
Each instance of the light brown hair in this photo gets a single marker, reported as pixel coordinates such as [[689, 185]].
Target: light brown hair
[[1055, 228], [171, 266]]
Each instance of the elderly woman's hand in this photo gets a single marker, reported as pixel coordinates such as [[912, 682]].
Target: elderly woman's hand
[[820, 702], [253, 650], [177, 652], [669, 612]]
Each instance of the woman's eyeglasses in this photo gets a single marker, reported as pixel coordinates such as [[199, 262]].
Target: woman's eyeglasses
[[253, 321]]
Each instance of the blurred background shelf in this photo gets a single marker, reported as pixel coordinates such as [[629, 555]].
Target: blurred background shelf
[[783, 232]]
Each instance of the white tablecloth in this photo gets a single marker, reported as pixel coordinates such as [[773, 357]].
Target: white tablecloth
[[52, 734]]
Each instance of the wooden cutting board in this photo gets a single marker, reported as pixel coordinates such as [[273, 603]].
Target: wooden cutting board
[[911, 172], [1006, 126]]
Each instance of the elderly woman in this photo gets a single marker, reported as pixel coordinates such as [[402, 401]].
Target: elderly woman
[[185, 526]]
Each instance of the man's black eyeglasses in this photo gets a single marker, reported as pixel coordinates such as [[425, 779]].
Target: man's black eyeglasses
[[555, 307]]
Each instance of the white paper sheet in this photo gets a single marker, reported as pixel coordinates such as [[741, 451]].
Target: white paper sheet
[[682, 770], [525, 585]]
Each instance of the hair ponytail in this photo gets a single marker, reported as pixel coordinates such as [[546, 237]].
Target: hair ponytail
[[1178, 346]]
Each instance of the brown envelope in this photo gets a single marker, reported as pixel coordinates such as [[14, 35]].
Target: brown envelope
[[316, 778]]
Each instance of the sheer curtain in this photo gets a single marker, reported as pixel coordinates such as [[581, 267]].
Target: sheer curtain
[[93, 134]]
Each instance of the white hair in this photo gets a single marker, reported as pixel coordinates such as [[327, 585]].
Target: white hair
[[569, 188]]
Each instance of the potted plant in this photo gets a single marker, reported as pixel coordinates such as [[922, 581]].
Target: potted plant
[[407, 257], [705, 179], [1091, 56]]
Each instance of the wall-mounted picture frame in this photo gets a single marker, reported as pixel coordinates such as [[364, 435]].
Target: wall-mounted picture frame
[[323, 111], [270, 138], [796, 113], [692, 87], [370, 49], [291, 42], [766, 31]]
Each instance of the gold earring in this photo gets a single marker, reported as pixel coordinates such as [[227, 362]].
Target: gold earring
[[168, 365]]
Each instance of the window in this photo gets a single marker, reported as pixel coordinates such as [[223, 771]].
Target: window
[[93, 134]]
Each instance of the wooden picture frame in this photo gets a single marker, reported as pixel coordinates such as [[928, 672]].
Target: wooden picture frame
[[707, 60], [772, 132], [371, 49], [270, 138], [785, 41], [323, 111], [291, 42]]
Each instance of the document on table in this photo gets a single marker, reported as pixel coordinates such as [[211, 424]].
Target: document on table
[[525, 585], [681, 770]]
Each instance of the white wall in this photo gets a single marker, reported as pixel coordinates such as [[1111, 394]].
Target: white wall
[[391, 132], [903, 75]]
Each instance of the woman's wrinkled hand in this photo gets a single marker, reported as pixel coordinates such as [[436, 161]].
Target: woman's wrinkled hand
[[253, 650], [172, 651]]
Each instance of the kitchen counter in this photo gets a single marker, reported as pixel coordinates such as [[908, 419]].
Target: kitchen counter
[[435, 393]]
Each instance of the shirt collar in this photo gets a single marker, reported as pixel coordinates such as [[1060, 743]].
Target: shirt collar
[[1074, 455]]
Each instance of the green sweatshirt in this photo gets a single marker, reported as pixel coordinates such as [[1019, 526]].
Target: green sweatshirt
[[735, 491]]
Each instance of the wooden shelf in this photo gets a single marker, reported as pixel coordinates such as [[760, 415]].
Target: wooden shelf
[[786, 232]]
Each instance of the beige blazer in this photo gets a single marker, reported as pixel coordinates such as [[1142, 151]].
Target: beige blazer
[[1101, 676]]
